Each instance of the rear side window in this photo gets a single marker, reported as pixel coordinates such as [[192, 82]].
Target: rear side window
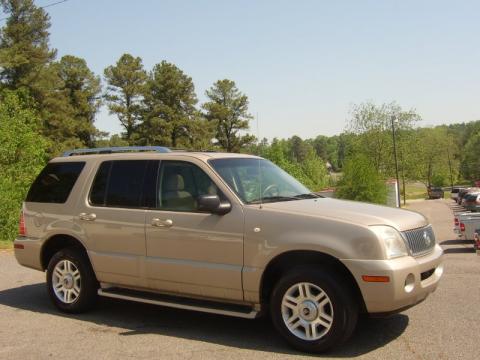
[[55, 182], [119, 183]]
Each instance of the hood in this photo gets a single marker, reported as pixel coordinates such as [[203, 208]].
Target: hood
[[352, 211]]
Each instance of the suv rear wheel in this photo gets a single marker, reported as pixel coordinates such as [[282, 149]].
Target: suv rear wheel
[[313, 310], [71, 282]]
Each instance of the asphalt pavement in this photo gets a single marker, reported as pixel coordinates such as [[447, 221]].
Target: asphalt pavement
[[445, 326]]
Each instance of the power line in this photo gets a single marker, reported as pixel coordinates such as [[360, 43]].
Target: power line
[[42, 7], [53, 4]]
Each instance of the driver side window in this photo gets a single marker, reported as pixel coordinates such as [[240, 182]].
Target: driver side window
[[180, 184]]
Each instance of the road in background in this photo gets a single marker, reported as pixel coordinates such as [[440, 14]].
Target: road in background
[[445, 326]]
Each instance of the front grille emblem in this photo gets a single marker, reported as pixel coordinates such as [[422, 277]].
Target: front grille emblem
[[427, 239], [420, 241]]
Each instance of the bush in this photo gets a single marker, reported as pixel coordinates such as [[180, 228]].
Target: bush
[[310, 171], [439, 180], [22, 156], [361, 182]]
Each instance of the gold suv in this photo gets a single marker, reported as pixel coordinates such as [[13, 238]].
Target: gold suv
[[230, 234]]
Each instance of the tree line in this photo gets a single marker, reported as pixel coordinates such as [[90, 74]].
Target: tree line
[[154, 107], [363, 154], [48, 105]]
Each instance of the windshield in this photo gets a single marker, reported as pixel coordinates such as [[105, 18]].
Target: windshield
[[258, 180]]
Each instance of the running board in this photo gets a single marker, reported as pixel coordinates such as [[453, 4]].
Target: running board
[[211, 307]]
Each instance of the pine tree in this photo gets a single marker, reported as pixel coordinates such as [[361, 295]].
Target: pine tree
[[228, 108], [126, 86], [169, 107], [24, 49], [27, 63], [82, 89]]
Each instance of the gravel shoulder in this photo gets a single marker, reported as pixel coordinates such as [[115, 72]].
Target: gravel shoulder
[[445, 326]]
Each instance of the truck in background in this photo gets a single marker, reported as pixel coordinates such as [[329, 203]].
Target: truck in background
[[467, 227]]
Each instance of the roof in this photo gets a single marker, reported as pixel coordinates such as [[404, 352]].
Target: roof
[[201, 155]]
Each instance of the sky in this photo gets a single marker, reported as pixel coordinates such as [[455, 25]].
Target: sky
[[303, 64]]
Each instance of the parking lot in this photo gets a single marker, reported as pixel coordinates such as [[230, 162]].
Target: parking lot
[[445, 326]]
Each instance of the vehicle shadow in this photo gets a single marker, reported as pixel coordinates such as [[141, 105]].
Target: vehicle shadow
[[457, 242], [137, 318], [459, 250]]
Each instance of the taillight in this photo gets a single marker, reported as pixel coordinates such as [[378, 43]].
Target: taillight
[[462, 227], [22, 230], [456, 222]]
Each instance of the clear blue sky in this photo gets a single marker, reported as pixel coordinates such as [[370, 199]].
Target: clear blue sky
[[302, 63]]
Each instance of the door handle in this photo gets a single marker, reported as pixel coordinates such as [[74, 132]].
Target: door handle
[[162, 223], [87, 217]]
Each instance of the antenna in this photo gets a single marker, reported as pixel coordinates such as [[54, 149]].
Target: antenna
[[259, 164]]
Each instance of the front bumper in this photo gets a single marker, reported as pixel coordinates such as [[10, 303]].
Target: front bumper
[[411, 280]]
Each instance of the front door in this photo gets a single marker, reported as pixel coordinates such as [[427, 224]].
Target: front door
[[188, 251]]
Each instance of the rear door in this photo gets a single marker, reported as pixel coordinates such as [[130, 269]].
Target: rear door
[[188, 251], [112, 216]]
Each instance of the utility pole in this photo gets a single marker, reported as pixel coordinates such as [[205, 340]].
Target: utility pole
[[450, 166], [395, 158]]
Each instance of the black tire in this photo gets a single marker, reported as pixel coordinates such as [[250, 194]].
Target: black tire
[[342, 299], [87, 296]]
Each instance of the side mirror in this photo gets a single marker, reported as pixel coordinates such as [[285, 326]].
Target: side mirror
[[212, 204]]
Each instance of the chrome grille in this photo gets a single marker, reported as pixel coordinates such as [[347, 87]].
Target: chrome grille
[[420, 241]]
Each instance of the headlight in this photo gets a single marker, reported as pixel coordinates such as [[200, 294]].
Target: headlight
[[392, 240]]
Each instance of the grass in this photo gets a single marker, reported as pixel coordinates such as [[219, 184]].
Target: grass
[[5, 244], [415, 191], [418, 190]]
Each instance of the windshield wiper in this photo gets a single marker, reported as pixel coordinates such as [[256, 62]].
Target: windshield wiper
[[286, 198], [307, 196], [273, 199]]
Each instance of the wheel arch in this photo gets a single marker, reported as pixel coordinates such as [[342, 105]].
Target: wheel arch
[[56, 243], [282, 263]]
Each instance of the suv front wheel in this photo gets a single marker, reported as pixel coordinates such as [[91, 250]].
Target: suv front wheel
[[71, 282], [313, 310]]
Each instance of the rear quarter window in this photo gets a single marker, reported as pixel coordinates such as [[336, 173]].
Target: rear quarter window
[[55, 182]]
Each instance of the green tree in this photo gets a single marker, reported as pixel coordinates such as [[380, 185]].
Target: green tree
[[471, 160], [126, 87], [200, 134], [228, 109], [431, 155], [372, 125], [321, 144], [170, 102], [311, 171], [277, 153], [361, 181], [299, 148], [22, 155], [81, 88], [24, 49], [27, 62]]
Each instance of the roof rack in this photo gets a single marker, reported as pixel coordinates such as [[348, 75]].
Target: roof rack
[[116, 149]]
